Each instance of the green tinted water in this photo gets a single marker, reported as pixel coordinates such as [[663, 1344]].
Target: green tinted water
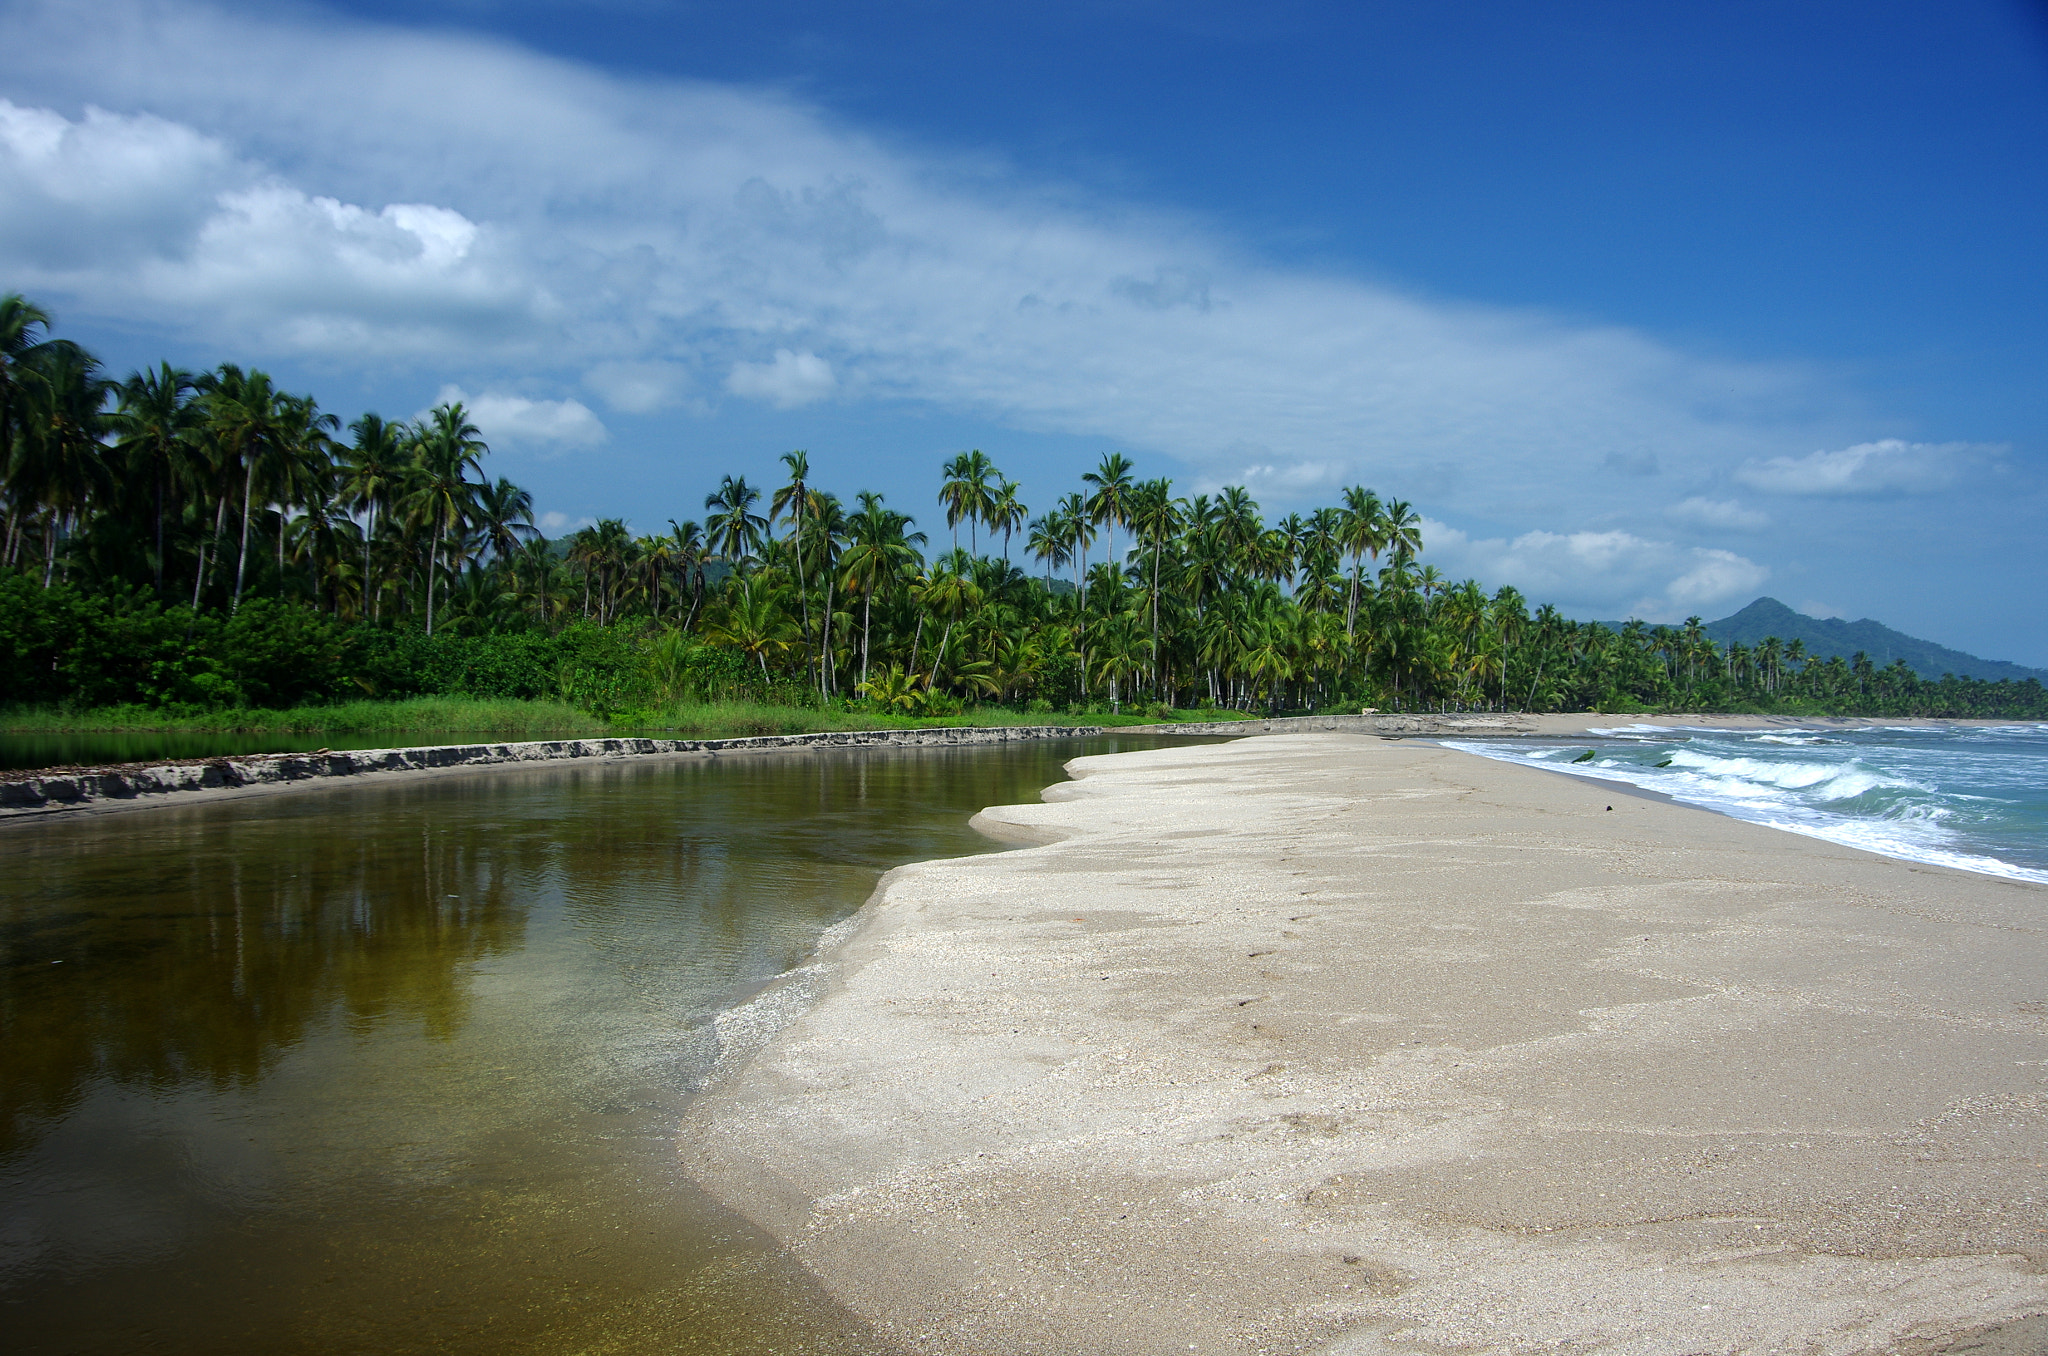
[[395, 1069]]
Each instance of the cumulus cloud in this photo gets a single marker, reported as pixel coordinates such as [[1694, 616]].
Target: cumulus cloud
[[789, 380], [481, 205], [553, 524], [1889, 464], [1723, 514], [135, 213], [639, 387], [1609, 574], [517, 422]]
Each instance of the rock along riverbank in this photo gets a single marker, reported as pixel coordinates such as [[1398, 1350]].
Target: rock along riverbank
[[69, 789], [55, 790]]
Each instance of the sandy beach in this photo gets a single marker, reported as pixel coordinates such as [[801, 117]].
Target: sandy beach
[[1338, 1043]]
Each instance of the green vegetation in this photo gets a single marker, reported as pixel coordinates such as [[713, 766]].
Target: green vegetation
[[208, 548]]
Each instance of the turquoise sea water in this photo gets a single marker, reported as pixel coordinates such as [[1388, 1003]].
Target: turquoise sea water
[[1971, 797]]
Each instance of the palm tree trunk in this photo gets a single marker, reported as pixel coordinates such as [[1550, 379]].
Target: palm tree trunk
[[242, 561], [369, 585], [433, 559], [826, 672], [866, 602], [159, 530], [940, 657]]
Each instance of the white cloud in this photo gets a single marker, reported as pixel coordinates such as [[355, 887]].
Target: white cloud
[[132, 213], [476, 204], [1610, 574], [554, 524], [1725, 514], [791, 379], [639, 387], [1716, 576], [1867, 468], [1289, 481], [515, 421]]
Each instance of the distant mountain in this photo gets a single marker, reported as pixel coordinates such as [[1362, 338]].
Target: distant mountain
[[1826, 637]]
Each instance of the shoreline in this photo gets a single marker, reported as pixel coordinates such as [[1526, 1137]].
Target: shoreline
[[39, 792], [1335, 1043], [45, 792]]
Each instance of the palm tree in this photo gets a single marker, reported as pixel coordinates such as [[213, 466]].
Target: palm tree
[[447, 448], [156, 423], [827, 531], [503, 512], [965, 493], [1117, 649], [755, 626], [950, 594], [303, 464], [733, 530], [686, 549], [790, 499], [58, 459], [241, 423], [881, 550], [1155, 517], [1047, 541], [1110, 503], [1006, 513], [1401, 529], [374, 468], [1363, 532]]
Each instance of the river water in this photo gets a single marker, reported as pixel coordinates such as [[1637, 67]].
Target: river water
[[395, 1069]]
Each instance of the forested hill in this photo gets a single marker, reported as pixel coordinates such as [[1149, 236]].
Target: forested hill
[[1828, 636]]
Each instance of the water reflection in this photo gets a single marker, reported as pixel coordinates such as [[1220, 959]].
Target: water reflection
[[394, 1068], [201, 959]]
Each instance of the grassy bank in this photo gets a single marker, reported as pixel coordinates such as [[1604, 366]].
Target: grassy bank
[[441, 719]]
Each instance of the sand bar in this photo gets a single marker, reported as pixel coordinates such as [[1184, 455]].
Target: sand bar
[[1327, 1042]]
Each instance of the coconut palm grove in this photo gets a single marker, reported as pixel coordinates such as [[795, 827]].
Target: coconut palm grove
[[186, 542]]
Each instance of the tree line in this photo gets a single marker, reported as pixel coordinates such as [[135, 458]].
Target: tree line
[[183, 499]]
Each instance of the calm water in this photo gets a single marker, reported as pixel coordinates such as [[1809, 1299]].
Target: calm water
[[396, 1069], [1972, 797]]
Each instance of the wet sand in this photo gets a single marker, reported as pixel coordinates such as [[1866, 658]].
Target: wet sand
[[1327, 1042]]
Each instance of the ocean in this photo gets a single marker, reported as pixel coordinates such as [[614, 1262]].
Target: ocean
[[1970, 797]]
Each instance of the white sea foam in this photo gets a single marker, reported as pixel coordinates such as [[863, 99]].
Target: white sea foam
[[1973, 798]]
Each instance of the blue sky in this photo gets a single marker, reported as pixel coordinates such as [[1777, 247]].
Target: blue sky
[[1647, 308]]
